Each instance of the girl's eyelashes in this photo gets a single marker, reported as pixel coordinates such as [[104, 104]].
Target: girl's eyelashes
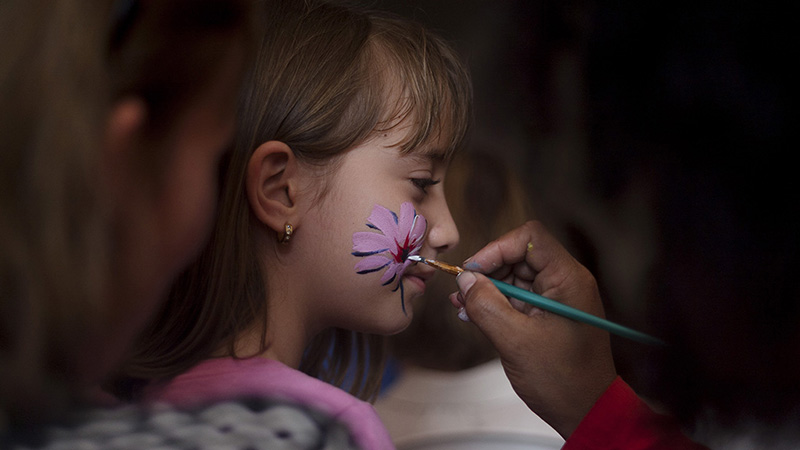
[[424, 183]]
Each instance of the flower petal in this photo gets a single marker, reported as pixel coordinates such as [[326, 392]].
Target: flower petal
[[391, 273], [384, 219], [368, 242], [396, 269], [418, 231], [372, 264], [406, 220]]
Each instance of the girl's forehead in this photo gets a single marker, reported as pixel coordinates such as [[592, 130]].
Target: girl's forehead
[[413, 138], [435, 148], [430, 152], [425, 120]]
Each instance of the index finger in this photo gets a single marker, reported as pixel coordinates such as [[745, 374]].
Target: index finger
[[530, 243]]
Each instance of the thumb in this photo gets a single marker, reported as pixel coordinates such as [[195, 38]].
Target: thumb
[[488, 308]]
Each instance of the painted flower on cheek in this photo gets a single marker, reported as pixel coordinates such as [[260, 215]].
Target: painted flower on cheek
[[397, 238]]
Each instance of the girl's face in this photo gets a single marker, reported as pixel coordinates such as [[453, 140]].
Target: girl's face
[[372, 182]]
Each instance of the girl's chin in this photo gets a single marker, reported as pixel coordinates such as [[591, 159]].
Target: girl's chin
[[396, 323], [405, 323]]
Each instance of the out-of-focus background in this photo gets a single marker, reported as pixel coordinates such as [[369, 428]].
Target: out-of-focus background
[[654, 140]]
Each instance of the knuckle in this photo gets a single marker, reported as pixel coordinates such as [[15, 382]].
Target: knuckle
[[533, 226], [584, 277]]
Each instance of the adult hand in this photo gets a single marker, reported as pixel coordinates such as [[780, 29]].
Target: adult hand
[[558, 367]]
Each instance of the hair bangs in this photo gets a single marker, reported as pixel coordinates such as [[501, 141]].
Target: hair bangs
[[433, 88]]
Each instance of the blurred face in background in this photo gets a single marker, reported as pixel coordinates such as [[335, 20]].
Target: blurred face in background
[[163, 218]]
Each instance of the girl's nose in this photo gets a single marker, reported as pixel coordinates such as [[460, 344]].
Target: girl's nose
[[442, 230]]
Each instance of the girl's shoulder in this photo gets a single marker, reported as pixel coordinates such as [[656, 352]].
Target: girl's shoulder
[[223, 379], [226, 378]]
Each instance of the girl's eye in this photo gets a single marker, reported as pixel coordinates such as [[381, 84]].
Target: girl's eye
[[424, 183]]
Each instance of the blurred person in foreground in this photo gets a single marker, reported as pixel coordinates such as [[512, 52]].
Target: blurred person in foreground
[[114, 118]]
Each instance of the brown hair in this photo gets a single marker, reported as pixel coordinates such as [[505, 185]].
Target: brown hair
[[59, 75], [53, 93], [165, 52], [486, 199], [320, 85]]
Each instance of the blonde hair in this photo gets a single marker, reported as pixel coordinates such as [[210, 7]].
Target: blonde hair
[[62, 65], [320, 85]]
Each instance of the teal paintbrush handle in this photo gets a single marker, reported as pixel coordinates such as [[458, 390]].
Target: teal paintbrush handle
[[575, 314]]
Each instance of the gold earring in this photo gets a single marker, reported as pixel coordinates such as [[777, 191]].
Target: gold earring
[[287, 234]]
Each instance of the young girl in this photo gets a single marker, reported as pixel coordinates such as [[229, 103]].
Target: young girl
[[347, 125]]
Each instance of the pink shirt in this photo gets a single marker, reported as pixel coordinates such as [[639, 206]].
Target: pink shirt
[[228, 379]]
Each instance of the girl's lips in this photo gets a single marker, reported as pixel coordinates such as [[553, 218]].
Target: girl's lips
[[419, 277], [416, 281]]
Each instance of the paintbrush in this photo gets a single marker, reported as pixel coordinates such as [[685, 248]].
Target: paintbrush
[[550, 305]]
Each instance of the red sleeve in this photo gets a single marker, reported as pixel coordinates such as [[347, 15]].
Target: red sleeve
[[621, 420]]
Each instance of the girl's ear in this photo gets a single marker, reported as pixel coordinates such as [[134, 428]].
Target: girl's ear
[[272, 185], [125, 122], [123, 133]]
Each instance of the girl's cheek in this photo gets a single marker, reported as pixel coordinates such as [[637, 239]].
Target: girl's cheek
[[391, 237]]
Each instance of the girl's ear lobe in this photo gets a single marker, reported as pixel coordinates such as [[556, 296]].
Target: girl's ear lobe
[[123, 133], [271, 184], [125, 122]]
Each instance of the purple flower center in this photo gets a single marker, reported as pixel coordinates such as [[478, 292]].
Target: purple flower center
[[402, 251]]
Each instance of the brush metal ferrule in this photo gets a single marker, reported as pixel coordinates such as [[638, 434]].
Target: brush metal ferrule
[[449, 268]]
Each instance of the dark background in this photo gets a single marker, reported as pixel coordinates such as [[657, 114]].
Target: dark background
[[654, 138]]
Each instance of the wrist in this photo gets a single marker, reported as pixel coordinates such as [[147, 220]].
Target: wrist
[[583, 405]]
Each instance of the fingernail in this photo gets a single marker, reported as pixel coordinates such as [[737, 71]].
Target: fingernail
[[465, 281], [472, 265], [462, 314]]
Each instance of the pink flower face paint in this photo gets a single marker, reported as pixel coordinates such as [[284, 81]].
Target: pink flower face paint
[[388, 247]]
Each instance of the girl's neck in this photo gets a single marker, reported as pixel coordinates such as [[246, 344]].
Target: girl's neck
[[288, 333], [290, 324], [282, 345]]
